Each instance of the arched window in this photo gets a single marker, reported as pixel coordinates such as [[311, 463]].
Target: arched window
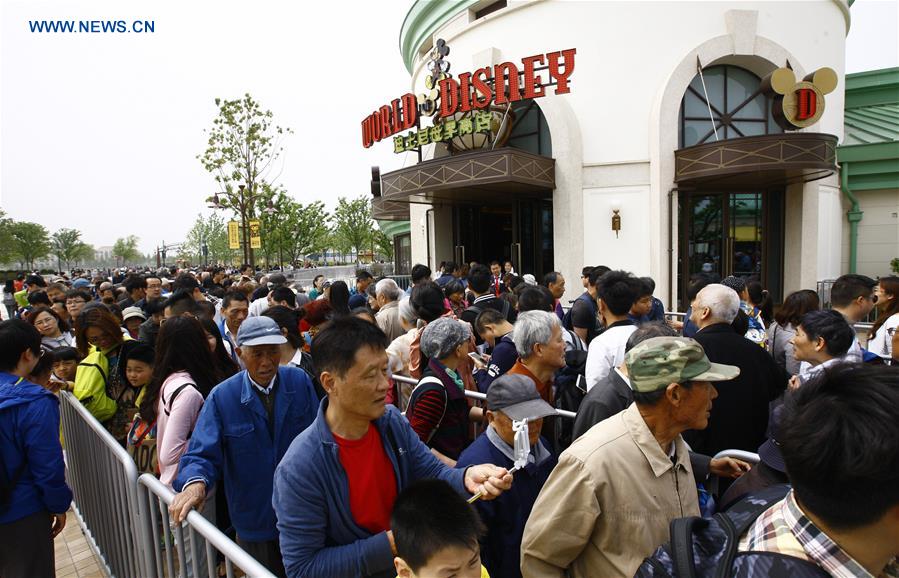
[[739, 107], [529, 130]]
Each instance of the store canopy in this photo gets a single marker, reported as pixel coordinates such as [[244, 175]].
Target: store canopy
[[384, 210], [756, 162], [484, 176]]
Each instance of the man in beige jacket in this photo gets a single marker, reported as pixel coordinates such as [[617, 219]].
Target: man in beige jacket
[[387, 294], [609, 501]]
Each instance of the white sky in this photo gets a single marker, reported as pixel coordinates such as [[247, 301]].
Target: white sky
[[100, 132]]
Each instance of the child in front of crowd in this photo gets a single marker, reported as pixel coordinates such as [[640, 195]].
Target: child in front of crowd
[[65, 364], [436, 533], [138, 372]]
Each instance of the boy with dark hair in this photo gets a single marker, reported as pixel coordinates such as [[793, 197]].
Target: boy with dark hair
[[839, 440], [436, 533], [34, 497], [497, 333], [582, 317], [616, 292], [136, 286], [479, 280]]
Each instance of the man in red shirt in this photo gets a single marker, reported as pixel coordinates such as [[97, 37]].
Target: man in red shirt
[[336, 485]]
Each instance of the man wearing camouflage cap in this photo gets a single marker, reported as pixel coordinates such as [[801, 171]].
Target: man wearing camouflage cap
[[609, 502]]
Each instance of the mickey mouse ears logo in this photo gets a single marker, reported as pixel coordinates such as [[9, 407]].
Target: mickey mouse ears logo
[[799, 104]]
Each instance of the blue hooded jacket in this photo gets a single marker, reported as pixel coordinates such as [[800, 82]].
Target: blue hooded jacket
[[29, 443], [231, 441], [319, 537]]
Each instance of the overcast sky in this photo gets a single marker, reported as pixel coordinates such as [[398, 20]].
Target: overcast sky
[[100, 132]]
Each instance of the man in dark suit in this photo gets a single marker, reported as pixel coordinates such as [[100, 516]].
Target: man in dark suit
[[739, 417]]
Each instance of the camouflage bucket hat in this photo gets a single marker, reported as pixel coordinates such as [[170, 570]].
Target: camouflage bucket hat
[[657, 362]]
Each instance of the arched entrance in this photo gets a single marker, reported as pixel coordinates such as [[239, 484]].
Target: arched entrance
[[517, 226]]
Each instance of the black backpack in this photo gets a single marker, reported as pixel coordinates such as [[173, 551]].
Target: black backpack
[[707, 548], [569, 382], [566, 319]]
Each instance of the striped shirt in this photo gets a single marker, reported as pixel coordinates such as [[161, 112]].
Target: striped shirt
[[785, 529]]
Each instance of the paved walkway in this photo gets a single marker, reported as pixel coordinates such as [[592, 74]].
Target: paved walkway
[[74, 557]]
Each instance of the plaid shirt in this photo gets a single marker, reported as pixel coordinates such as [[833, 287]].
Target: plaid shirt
[[785, 529]]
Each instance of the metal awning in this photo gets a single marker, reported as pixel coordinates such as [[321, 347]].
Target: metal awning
[[756, 162], [484, 176]]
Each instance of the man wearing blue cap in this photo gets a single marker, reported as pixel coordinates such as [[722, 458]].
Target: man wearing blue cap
[[245, 427]]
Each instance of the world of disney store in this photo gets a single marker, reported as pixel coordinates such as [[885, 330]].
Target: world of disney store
[[665, 138]]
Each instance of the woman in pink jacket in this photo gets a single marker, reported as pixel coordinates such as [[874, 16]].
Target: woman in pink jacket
[[184, 374]]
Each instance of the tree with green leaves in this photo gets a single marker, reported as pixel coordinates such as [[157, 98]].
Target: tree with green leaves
[[211, 230], [6, 243], [242, 147], [83, 253], [353, 225], [383, 243], [30, 242], [307, 230], [126, 249], [68, 246]]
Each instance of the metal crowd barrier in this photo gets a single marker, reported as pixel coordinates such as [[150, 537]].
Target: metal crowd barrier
[[740, 455], [103, 478], [125, 517], [160, 555]]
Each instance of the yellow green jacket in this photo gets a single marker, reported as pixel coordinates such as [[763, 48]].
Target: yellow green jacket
[[90, 384]]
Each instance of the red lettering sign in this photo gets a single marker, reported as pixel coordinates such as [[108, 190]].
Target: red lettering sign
[[806, 103], [474, 91]]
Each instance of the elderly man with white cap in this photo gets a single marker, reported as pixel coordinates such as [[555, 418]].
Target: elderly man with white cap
[[245, 427], [511, 398], [609, 502]]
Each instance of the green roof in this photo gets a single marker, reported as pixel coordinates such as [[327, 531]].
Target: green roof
[[869, 153], [871, 124]]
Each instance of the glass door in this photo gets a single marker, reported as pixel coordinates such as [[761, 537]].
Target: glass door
[[738, 234]]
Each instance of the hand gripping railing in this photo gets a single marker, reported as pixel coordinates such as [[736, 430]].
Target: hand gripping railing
[[738, 454], [154, 498], [103, 478]]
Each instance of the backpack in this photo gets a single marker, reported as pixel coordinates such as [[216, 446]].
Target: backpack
[[428, 383], [478, 310], [141, 439], [566, 319], [707, 548], [569, 382]]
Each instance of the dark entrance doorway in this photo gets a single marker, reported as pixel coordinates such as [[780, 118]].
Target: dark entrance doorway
[[733, 233], [521, 232]]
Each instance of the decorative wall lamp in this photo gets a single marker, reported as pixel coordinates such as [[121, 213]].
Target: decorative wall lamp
[[616, 219]]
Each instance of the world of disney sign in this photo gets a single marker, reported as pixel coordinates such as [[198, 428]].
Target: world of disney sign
[[469, 94]]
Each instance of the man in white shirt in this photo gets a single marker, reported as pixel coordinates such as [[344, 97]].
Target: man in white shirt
[[617, 291]]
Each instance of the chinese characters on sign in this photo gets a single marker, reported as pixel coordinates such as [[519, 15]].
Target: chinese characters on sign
[[255, 237], [443, 131], [233, 235]]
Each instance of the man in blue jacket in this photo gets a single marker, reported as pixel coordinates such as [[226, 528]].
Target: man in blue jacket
[[335, 487], [510, 397], [34, 497], [245, 427]]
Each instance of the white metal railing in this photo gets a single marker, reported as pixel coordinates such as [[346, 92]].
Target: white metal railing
[[202, 537], [476, 395], [125, 517], [738, 454], [103, 479]]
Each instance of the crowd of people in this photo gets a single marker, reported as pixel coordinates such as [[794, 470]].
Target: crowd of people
[[332, 430]]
